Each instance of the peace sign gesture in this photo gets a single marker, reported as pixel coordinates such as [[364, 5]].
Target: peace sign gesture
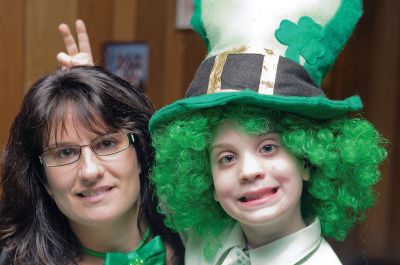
[[76, 55]]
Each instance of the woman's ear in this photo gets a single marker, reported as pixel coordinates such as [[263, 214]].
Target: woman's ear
[[46, 186]]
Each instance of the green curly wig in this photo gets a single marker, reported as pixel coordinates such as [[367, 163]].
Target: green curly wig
[[343, 153]]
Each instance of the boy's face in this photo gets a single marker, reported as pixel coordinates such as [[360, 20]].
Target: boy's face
[[256, 180]]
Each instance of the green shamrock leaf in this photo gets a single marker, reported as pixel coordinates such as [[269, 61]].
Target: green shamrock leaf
[[301, 39]]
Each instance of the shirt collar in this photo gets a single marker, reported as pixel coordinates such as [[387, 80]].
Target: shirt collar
[[287, 250], [290, 249]]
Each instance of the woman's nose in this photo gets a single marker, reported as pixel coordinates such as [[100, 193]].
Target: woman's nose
[[252, 167], [90, 165]]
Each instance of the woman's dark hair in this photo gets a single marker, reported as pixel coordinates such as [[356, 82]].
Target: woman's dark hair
[[32, 228]]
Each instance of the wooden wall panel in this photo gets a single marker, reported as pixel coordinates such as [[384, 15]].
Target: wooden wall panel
[[174, 54], [174, 48], [381, 95], [385, 106], [125, 20], [394, 224], [151, 19], [42, 40], [11, 63], [370, 67], [195, 52], [98, 16]]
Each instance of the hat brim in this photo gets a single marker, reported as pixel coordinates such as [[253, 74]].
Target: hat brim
[[318, 107]]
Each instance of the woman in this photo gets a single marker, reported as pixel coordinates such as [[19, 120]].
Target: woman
[[75, 187]]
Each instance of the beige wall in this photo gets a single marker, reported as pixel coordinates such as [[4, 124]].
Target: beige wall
[[369, 66]]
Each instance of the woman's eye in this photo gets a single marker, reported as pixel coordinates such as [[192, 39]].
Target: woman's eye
[[227, 159], [106, 144], [269, 148], [66, 152]]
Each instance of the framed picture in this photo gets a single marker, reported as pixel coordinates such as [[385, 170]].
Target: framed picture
[[128, 60], [184, 12]]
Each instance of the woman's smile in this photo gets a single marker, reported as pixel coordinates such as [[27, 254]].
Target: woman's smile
[[96, 195]]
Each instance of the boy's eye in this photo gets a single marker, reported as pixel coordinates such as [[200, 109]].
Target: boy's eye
[[227, 159], [269, 148]]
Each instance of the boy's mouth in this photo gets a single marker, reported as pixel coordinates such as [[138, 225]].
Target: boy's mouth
[[258, 194]]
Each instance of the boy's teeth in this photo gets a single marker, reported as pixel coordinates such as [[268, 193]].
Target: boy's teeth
[[257, 196]]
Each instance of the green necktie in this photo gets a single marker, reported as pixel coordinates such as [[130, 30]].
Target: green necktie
[[151, 253]]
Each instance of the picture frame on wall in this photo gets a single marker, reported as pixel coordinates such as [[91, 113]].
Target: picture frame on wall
[[128, 60], [184, 11]]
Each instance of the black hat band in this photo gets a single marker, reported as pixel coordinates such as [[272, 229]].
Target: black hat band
[[265, 73]]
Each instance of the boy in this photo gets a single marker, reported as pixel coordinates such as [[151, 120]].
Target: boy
[[256, 163]]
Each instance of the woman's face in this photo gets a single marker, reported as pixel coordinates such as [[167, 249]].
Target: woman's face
[[94, 189], [256, 180]]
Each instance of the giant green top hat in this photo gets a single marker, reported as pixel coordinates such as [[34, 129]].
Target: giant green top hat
[[268, 53]]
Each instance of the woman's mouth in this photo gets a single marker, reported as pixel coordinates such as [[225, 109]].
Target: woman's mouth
[[258, 196], [94, 195]]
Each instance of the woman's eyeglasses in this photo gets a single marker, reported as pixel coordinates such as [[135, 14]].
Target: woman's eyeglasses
[[102, 146]]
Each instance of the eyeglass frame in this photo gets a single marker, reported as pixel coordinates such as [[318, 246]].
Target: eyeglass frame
[[131, 141]]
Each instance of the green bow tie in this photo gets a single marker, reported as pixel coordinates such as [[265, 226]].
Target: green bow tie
[[150, 253]]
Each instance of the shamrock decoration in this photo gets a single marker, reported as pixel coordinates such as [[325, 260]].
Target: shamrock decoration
[[301, 39]]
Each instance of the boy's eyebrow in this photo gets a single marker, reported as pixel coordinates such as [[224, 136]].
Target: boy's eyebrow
[[274, 135], [221, 145], [265, 133]]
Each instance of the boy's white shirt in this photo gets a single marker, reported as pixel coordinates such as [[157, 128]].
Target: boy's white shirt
[[305, 247]]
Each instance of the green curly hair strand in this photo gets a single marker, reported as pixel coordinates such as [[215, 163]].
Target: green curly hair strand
[[343, 154]]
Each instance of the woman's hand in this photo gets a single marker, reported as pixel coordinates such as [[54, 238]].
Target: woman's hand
[[76, 55]]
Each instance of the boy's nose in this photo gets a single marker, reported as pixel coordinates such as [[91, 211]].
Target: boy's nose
[[252, 168]]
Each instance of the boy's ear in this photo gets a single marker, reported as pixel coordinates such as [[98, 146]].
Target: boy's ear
[[306, 174], [306, 170]]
